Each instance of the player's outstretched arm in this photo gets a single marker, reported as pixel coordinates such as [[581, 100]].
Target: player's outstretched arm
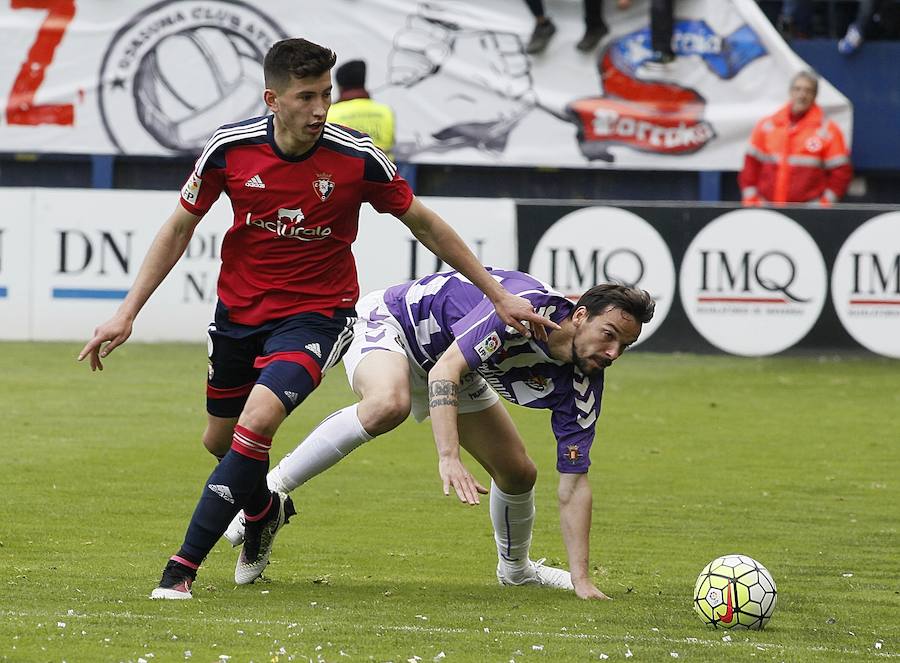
[[575, 500], [167, 247], [443, 404], [437, 235]]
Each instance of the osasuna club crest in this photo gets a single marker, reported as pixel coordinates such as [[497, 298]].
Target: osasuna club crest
[[323, 186]]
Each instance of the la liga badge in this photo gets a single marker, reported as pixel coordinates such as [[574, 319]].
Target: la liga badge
[[488, 346]]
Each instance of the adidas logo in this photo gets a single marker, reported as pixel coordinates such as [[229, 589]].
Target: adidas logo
[[292, 395], [222, 491], [315, 348], [255, 182]]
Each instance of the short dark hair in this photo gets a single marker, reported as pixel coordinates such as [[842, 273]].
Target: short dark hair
[[351, 74], [633, 301], [808, 75], [297, 58]]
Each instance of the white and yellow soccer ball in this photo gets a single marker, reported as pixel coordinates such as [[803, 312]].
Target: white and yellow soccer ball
[[735, 591]]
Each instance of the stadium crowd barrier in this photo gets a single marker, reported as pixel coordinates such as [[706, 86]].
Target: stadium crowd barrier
[[749, 282]]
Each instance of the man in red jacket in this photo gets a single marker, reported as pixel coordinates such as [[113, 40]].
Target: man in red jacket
[[796, 155]]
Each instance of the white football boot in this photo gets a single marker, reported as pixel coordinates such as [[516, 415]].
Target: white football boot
[[258, 540], [235, 531], [536, 574]]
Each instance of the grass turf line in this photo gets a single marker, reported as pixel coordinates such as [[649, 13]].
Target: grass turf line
[[793, 461]]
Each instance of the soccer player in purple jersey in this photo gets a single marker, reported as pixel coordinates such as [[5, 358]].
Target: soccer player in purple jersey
[[435, 346], [287, 287]]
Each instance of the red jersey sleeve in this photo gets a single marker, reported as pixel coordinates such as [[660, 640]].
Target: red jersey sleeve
[[383, 187], [199, 193], [207, 181], [393, 197]]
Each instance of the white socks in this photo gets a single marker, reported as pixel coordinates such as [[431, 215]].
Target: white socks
[[513, 519], [331, 440]]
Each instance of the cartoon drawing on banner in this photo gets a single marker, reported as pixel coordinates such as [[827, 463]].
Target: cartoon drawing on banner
[[147, 101], [643, 107], [434, 44], [639, 106]]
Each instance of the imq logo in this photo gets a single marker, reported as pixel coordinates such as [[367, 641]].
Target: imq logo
[[865, 284], [753, 282], [606, 245]]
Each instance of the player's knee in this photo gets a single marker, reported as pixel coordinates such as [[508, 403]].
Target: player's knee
[[519, 478], [385, 411], [216, 444]]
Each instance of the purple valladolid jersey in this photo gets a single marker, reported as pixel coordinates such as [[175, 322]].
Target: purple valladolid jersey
[[440, 308]]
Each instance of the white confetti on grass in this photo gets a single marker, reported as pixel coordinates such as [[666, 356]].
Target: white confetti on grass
[[628, 653], [439, 656], [673, 654], [537, 647]]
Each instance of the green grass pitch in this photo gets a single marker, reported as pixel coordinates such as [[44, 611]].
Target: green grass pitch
[[792, 461]]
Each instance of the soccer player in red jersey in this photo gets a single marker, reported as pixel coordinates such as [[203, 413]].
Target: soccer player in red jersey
[[287, 287]]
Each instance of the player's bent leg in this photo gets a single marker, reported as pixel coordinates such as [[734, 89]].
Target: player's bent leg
[[491, 437], [238, 480], [381, 380]]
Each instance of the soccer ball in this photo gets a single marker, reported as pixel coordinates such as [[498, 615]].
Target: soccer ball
[[735, 591]]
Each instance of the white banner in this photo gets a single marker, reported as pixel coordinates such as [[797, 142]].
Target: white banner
[[156, 78], [68, 257]]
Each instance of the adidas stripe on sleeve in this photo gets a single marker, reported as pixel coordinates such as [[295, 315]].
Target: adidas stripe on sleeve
[[206, 182]]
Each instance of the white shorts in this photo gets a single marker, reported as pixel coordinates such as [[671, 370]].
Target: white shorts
[[385, 333]]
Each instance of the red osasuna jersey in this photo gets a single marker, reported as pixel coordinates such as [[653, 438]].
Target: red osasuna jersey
[[288, 249]]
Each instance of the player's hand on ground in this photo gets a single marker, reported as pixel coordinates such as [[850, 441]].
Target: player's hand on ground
[[585, 589], [454, 473], [515, 311], [114, 332]]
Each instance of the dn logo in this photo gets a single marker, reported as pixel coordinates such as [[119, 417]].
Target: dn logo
[[870, 277], [620, 265], [773, 271], [80, 252]]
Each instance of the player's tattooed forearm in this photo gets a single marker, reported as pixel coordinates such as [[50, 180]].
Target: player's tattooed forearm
[[443, 392]]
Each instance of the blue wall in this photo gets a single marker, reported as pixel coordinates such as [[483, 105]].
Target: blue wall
[[871, 80]]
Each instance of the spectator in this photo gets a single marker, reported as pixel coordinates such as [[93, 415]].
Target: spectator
[[856, 32], [595, 27], [662, 24], [796, 155], [796, 19], [355, 109]]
